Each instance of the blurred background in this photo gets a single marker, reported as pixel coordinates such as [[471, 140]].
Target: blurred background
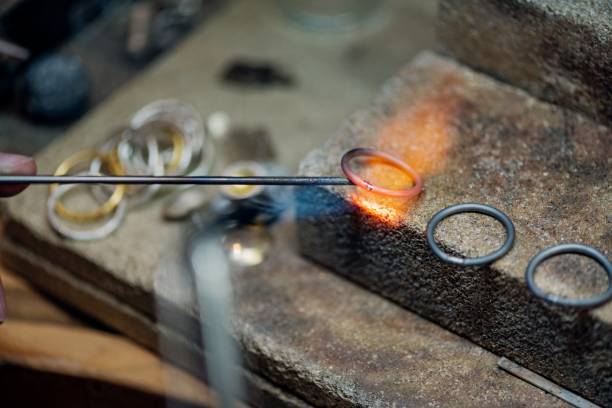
[[281, 74], [185, 296], [59, 61]]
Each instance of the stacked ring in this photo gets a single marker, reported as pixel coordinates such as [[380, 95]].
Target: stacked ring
[[108, 206], [153, 165], [110, 225], [180, 118], [176, 113], [135, 150], [181, 154]]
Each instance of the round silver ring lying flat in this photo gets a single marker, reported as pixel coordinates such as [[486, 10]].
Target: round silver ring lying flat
[[136, 195], [578, 249], [180, 115], [471, 208], [153, 166], [99, 232]]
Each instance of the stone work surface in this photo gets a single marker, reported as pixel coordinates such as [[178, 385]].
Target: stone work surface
[[303, 330], [307, 331], [476, 140], [559, 50], [330, 87]]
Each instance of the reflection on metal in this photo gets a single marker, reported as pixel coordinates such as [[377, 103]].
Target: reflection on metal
[[544, 384], [213, 287], [247, 246], [243, 169]]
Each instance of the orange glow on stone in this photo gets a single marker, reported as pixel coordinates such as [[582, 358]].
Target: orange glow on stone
[[422, 135]]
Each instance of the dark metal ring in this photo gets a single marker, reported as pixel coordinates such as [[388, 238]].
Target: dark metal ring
[[394, 161], [578, 249], [471, 208]]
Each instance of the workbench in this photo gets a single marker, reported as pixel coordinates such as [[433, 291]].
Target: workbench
[[308, 337]]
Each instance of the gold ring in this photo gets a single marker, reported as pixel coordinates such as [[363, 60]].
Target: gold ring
[[178, 145], [105, 209]]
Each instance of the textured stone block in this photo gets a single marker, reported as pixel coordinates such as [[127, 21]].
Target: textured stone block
[[312, 333], [476, 140], [559, 50], [303, 330]]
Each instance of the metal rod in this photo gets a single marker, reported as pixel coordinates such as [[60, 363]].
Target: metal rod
[[193, 180]]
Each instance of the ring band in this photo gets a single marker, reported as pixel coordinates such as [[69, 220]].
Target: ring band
[[178, 116], [178, 147], [577, 249], [153, 166], [150, 164], [177, 113], [187, 150], [107, 207], [243, 169], [471, 208], [77, 234], [360, 182]]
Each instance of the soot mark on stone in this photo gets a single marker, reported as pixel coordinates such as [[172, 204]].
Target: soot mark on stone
[[256, 74]]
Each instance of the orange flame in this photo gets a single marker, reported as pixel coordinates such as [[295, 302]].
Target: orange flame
[[421, 136]]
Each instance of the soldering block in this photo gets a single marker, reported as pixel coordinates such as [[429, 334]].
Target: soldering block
[[474, 139], [307, 336], [559, 50]]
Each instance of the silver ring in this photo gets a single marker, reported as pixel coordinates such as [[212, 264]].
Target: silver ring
[[187, 154], [471, 208], [131, 157], [243, 168], [180, 115], [578, 249], [133, 162], [102, 231], [206, 159], [136, 195]]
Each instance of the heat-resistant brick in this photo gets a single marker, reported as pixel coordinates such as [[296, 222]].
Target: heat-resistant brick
[[476, 140], [559, 50]]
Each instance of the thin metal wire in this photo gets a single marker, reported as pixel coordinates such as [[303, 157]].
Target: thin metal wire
[[172, 180]]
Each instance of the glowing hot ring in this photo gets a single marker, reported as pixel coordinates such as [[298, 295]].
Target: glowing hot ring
[[387, 158]]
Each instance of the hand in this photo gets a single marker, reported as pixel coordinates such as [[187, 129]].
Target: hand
[[17, 165]]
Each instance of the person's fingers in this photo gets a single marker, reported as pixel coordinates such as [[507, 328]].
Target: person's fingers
[[2, 303], [15, 164]]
